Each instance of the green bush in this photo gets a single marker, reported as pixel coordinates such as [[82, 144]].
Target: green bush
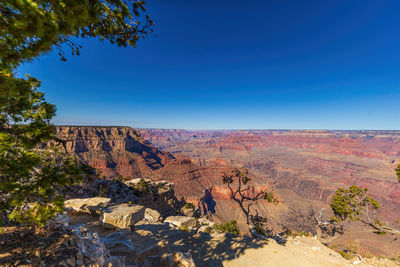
[[184, 228], [228, 227], [142, 187], [103, 191], [294, 233], [352, 203], [208, 230], [345, 255], [189, 205]]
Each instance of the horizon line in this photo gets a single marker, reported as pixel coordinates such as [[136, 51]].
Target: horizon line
[[230, 129]]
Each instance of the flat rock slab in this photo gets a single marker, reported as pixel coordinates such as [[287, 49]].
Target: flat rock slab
[[181, 221], [92, 205], [122, 216]]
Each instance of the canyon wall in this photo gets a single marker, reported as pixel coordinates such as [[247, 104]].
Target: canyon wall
[[113, 150]]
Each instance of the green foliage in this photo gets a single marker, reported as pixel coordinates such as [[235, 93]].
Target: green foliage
[[32, 28], [398, 172], [120, 178], [184, 228], [142, 187], [270, 197], [345, 254], [381, 233], [189, 205], [294, 233], [259, 222], [29, 171], [240, 174], [29, 179], [352, 203], [103, 191], [228, 227], [208, 230]]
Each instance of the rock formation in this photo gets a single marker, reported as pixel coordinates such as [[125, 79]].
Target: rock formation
[[112, 150]]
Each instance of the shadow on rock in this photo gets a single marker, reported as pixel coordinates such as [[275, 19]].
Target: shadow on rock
[[206, 249]]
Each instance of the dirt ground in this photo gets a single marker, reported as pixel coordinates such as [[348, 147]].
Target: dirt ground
[[231, 251]]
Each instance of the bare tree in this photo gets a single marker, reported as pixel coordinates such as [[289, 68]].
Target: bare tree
[[245, 196], [310, 221]]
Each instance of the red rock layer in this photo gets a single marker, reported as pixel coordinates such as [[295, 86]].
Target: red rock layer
[[113, 150]]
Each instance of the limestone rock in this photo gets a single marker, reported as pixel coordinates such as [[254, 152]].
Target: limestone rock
[[152, 215], [187, 211], [206, 222], [122, 216], [62, 219], [181, 221], [87, 205], [119, 245], [91, 251], [205, 225], [136, 181]]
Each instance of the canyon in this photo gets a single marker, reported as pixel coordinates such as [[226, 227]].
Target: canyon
[[312, 164], [302, 167]]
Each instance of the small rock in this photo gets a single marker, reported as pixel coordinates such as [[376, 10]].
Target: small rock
[[187, 211], [356, 262], [62, 219], [71, 261], [316, 248], [181, 221], [179, 259], [152, 215]]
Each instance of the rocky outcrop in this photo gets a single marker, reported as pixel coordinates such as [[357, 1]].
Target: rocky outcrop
[[157, 195], [112, 150]]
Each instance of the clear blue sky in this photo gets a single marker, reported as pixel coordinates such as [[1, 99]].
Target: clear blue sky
[[332, 64]]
